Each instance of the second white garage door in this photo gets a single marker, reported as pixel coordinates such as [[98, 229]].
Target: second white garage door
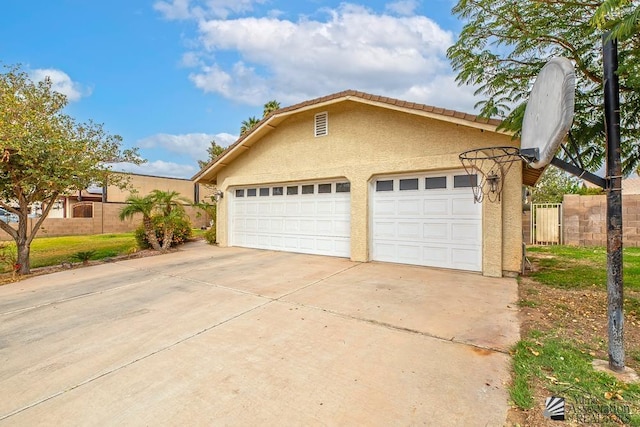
[[311, 218], [427, 219]]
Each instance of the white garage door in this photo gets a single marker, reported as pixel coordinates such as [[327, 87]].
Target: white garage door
[[427, 219], [311, 218]]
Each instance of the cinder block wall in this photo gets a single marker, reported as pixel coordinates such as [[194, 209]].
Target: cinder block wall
[[584, 220], [105, 220]]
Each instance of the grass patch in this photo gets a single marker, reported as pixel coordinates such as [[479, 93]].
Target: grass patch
[[47, 251], [565, 371], [568, 267], [527, 303]]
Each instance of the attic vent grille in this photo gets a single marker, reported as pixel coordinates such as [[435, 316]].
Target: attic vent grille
[[322, 124]]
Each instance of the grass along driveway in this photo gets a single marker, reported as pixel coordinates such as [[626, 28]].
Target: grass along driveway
[[563, 309]]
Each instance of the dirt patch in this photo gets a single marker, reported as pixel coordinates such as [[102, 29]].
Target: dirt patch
[[579, 316]]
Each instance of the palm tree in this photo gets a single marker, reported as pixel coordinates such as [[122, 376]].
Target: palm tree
[[249, 124], [145, 206], [171, 211], [270, 107]]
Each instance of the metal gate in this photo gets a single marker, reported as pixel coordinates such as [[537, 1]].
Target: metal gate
[[546, 224]]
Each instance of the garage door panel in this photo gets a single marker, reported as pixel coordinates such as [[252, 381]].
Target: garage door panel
[[384, 230], [409, 207], [461, 207], [384, 207], [436, 255], [342, 207], [277, 208], [435, 207], [435, 231], [307, 208], [433, 227], [251, 225], [315, 223], [408, 254], [408, 230], [466, 232]]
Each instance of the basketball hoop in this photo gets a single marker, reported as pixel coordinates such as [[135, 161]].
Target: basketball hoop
[[488, 166]]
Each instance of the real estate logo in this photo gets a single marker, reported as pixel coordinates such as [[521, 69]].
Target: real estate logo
[[554, 408], [586, 409]]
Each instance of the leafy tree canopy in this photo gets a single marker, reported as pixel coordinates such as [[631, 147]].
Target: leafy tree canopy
[[44, 153], [504, 44], [214, 150]]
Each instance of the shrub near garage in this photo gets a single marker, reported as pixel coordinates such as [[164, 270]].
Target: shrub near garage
[[181, 233]]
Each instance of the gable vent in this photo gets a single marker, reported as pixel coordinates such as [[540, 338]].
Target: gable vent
[[322, 124]]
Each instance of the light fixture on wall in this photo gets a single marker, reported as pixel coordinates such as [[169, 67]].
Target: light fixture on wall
[[494, 182], [218, 195]]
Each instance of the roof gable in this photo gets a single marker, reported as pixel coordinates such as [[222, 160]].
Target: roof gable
[[270, 122]]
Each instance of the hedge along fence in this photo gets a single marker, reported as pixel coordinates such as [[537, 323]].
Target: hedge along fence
[[105, 220]]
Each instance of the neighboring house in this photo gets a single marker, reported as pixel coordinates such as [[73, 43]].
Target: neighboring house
[[368, 178], [96, 210], [79, 205]]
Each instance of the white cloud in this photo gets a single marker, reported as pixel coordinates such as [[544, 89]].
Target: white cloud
[[61, 82], [402, 7], [174, 9], [184, 9], [353, 48], [193, 145], [158, 168]]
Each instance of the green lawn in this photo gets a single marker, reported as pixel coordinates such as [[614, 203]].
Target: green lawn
[[564, 329], [48, 251], [569, 267]]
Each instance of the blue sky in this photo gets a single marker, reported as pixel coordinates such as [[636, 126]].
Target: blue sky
[[170, 75]]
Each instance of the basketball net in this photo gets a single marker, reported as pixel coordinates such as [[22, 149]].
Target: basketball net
[[488, 166]]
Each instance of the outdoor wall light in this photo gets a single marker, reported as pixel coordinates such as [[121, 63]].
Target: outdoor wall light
[[494, 182], [218, 195]]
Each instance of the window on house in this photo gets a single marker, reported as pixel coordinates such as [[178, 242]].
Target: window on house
[[321, 127], [409, 184], [343, 187], [307, 189], [324, 188], [291, 191], [277, 191], [435, 183], [251, 192], [239, 193], [386, 185], [264, 191], [460, 181]]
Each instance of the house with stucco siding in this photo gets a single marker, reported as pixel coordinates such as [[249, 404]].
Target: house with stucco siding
[[369, 178]]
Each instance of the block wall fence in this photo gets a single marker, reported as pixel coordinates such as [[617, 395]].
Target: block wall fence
[[105, 220], [584, 220]]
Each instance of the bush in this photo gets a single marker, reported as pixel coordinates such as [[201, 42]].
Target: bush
[[181, 233], [210, 235]]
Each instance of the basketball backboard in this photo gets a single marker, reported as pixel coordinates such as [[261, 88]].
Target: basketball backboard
[[549, 113]]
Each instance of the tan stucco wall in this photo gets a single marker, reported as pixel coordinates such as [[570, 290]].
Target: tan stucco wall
[[365, 141], [144, 184]]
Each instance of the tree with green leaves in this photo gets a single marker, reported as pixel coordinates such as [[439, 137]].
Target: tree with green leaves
[[45, 153], [504, 44], [144, 206], [553, 185], [270, 107], [170, 213], [621, 17], [249, 124], [214, 150]]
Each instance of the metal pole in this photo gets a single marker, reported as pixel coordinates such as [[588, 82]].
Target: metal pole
[[614, 204]]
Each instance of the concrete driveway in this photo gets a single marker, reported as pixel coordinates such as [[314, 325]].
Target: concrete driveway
[[232, 336]]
